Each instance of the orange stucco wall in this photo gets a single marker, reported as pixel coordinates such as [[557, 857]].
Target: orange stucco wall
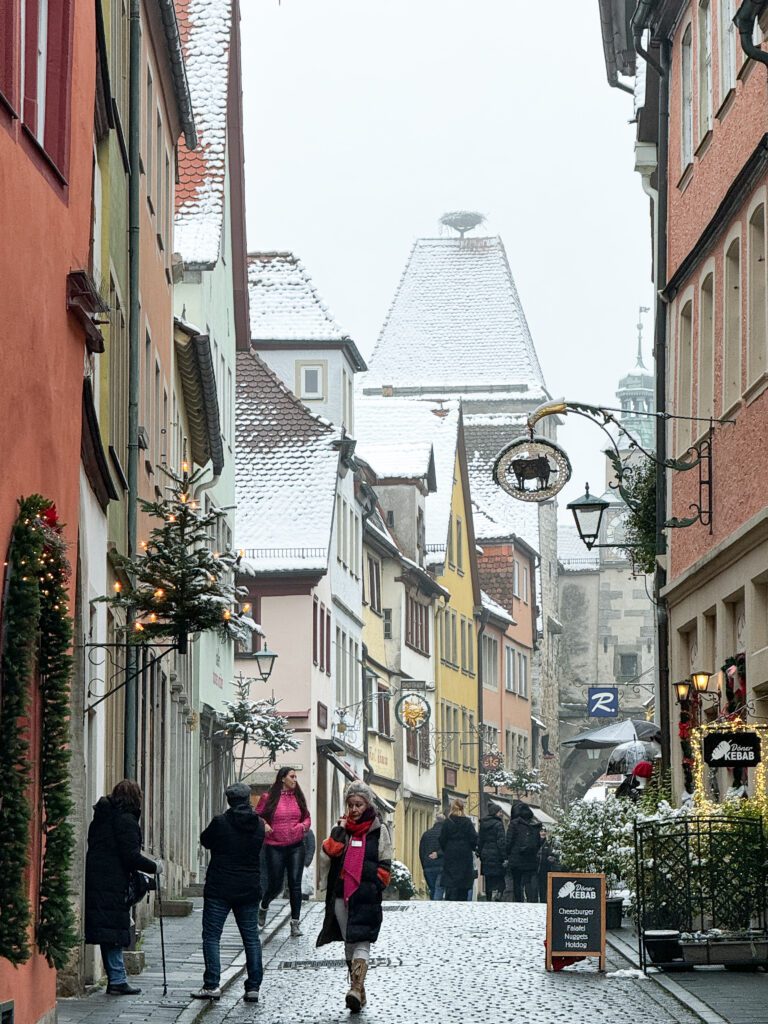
[[46, 233]]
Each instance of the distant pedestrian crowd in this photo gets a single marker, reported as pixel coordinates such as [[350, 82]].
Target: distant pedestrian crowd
[[514, 862]]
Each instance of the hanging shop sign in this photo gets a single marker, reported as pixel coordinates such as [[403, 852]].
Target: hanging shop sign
[[732, 749], [603, 701], [412, 711], [575, 916], [532, 469], [492, 761]]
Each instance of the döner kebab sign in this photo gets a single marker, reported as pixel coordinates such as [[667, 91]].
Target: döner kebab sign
[[732, 749]]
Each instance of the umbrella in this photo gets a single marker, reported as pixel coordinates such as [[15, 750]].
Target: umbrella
[[615, 733], [625, 756]]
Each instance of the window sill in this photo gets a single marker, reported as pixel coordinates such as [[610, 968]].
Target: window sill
[[46, 158], [703, 145], [746, 69], [685, 177], [7, 106], [150, 204], [756, 388], [726, 105], [411, 760], [381, 735], [419, 650], [732, 409]]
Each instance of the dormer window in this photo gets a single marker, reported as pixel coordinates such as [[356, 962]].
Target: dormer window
[[311, 380]]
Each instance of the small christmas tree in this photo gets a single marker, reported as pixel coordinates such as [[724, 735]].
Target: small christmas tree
[[179, 585], [258, 722], [522, 781]]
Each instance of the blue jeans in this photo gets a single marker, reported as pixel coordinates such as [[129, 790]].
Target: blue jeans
[[114, 964], [215, 913], [432, 878], [282, 859]]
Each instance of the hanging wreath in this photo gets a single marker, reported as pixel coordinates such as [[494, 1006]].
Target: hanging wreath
[[36, 638]]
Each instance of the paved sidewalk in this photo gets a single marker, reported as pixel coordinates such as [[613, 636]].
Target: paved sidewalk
[[184, 962], [717, 995]]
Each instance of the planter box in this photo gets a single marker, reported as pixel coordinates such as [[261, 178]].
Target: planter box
[[663, 947], [729, 951]]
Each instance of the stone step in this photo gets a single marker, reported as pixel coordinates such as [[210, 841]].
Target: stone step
[[174, 908], [192, 890]]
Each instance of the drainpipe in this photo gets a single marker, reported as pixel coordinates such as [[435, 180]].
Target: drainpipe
[[745, 23], [134, 200], [640, 22]]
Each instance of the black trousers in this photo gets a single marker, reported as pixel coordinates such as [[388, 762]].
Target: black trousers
[[282, 859], [525, 886], [457, 895]]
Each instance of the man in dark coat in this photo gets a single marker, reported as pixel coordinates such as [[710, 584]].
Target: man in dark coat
[[431, 857], [233, 882], [491, 846], [523, 841], [114, 852], [458, 841]]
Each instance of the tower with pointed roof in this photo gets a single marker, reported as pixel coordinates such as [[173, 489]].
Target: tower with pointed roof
[[456, 329], [636, 395]]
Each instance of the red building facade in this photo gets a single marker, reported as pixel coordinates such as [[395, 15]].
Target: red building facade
[[47, 82]]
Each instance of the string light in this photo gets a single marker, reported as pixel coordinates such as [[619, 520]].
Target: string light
[[144, 545], [138, 628], [159, 593], [153, 617], [185, 467], [227, 614], [246, 608], [117, 586], [733, 725]]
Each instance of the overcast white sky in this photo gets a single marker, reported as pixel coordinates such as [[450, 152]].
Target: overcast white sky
[[365, 120]]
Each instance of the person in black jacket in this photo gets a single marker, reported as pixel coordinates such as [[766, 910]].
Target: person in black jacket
[[523, 841], [548, 861], [114, 851], [458, 841], [233, 882], [431, 857], [492, 848]]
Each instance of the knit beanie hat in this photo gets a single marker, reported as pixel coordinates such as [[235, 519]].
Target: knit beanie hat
[[493, 808], [643, 770], [359, 788], [237, 793]]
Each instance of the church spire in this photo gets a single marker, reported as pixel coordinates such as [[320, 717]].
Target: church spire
[[642, 309]]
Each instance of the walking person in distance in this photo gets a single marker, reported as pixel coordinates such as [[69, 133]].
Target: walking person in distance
[[359, 850], [523, 842], [492, 849], [114, 852], [284, 809], [458, 841], [431, 857], [232, 883]]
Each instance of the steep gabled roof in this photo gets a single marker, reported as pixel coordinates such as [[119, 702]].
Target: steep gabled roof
[[285, 478], [456, 324], [385, 423], [205, 27]]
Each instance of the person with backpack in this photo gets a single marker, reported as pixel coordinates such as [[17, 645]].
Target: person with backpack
[[114, 855], [431, 857], [523, 842], [233, 883], [492, 848]]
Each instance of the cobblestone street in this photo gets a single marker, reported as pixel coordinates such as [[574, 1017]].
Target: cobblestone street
[[472, 962]]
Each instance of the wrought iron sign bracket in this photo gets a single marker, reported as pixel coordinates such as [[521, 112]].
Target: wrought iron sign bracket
[[90, 649]]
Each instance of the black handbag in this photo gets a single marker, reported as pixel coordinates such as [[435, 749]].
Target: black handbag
[[139, 885]]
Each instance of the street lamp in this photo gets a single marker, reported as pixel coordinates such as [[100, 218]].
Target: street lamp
[[588, 513], [700, 681], [683, 690], [265, 662]]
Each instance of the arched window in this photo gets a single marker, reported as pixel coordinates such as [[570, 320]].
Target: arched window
[[685, 375], [756, 340], [732, 326], [706, 404]]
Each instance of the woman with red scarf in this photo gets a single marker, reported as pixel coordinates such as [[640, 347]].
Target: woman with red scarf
[[360, 853]]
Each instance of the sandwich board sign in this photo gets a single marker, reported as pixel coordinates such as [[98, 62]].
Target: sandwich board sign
[[575, 916]]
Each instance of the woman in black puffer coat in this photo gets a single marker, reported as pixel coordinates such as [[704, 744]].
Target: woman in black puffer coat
[[491, 846], [458, 841], [523, 842], [114, 851]]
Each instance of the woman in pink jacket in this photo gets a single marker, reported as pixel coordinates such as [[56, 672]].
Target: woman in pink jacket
[[284, 809]]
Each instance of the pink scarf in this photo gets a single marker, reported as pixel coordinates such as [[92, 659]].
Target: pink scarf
[[354, 858]]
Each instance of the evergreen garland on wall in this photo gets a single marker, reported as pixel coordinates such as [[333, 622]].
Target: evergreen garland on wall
[[37, 635]]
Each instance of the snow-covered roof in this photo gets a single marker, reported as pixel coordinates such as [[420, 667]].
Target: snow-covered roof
[[495, 608], [571, 552], [456, 323], [285, 304], [205, 27], [391, 422], [285, 477], [496, 513], [402, 459]]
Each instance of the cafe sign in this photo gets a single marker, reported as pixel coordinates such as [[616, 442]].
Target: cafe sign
[[732, 749]]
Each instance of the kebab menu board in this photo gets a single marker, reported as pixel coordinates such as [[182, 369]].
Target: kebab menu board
[[575, 916]]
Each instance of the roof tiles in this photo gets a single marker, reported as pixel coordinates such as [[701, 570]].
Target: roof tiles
[[285, 305]]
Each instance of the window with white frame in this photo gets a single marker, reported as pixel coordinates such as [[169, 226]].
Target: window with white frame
[[686, 85], [387, 616], [685, 375], [509, 748], [509, 669], [311, 381], [732, 325], [459, 545], [489, 647], [706, 376], [374, 584], [516, 578], [727, 39], [705, 67], [525, 584], [522, 674]]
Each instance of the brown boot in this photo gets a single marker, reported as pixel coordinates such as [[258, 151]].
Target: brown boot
[[356, 995]]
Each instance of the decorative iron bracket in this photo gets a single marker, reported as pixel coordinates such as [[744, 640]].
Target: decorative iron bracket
[[90, 650]]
